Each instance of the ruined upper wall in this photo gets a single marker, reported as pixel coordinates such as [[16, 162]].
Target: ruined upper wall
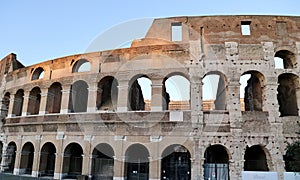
[[207, 35], [221, 29]]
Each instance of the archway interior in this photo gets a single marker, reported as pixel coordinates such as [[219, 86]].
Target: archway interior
[[47, 160], [34, 101], [285, 59], [27, 158], [216, 163], [78, 97], [18, 102], [54, 98], [255, 159], [214, 92], [103, 162], [176, 93], [10, 157], [5, 104], [107, 94], [72, 164], [176, 163], [140, 93], [251, 92], [137, 162], [287, 94]]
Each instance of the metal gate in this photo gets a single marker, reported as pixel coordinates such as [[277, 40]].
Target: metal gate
[[216, 171]]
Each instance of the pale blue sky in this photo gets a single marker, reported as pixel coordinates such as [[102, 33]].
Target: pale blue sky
[[41, 30]]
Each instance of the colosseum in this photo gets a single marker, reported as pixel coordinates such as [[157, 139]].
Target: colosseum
[[87, 115]]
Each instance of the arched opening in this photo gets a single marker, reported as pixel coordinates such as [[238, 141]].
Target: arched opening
[[107, 94], [78, 97], [38, 74], [18, 103], [103, 162], [47, 160], [1, 150], [10, 157], [285, 59], [5, 104], [27, 158], [287, 94], [34, 101], [216, 163], [251, 91], [139, 93], [54, 98], [176, 93], [176, 163], [72, 164], [214, 91], [82, 65], [255, 159], [137, 162]]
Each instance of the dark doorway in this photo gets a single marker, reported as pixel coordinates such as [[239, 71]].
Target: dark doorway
[[137, 163], [216, 163], [176, 163]]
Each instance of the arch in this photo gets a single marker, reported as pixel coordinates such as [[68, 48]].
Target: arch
[[103, 162], [54, 98], [47, 159], [255, 159], [139, 96], [34, 101], [82, 65], [26, 162], [176, 163], [72, 162], [38, 73], [216, 164], [176, 92], [5, 104], [1, 150], [214, 91], [286, 58], [79, 96], [287, 94], [10, 157], [18, 102], [252, 91], [107, 94], [137, 162]]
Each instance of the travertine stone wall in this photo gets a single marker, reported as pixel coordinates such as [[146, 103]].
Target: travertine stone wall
[[210, 45]]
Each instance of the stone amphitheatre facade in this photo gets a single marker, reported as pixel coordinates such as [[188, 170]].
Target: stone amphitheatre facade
[[85, 115]]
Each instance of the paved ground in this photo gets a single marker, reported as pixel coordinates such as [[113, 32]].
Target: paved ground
[[13, 177]]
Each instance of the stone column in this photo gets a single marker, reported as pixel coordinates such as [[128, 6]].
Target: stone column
[[122, 96], [154, 168], [196, 161], [86, 160], [119, 160], [236, 164], [4, 157], [11, 106], [43, 104], [270, 101], [196, 96], [18, 155], [58, 165], [233, 103], [36, 157], [25, 103], [156, 97], [65, 99], [92, 98]]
